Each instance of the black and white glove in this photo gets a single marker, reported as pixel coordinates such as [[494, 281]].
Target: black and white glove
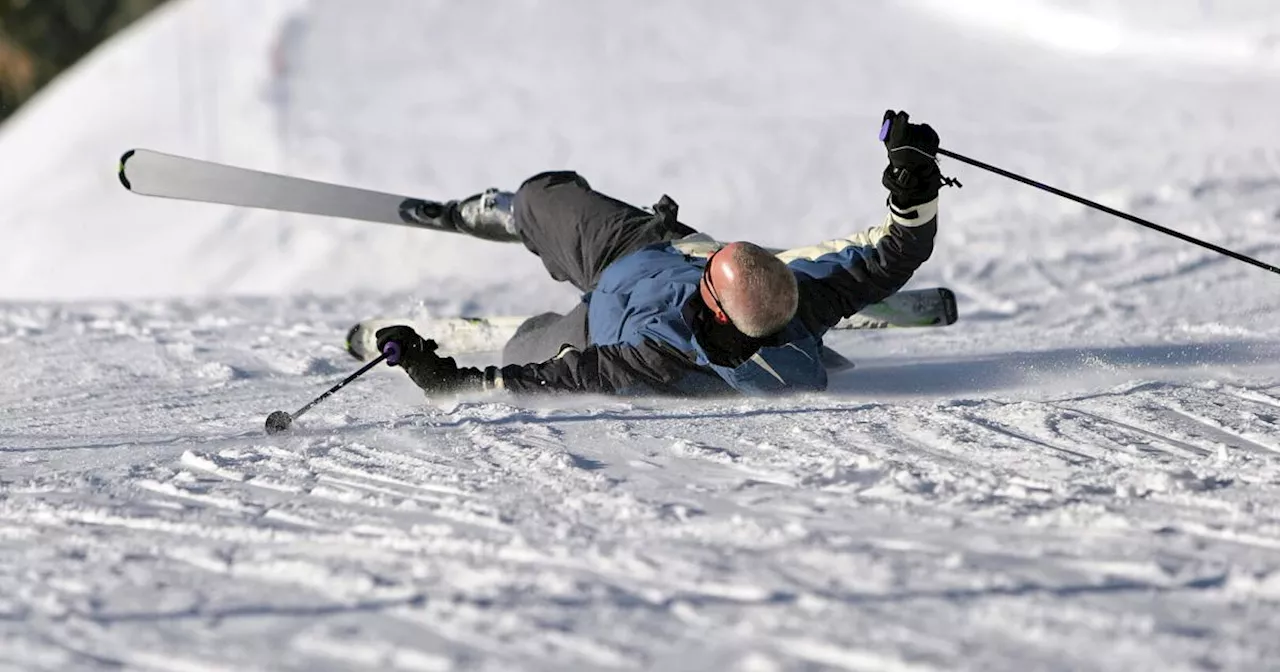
[[912, 176], [433, 373]]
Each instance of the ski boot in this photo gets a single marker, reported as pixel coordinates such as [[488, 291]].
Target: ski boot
[[487, 215]]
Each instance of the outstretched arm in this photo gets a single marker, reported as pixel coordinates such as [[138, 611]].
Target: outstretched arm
[[622, 368], [839, 277], [600, 369]]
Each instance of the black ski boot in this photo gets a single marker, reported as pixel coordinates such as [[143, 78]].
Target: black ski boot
[[487, 215]]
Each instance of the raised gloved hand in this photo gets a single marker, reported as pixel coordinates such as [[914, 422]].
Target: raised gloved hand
[[417, 356], [912, 176]]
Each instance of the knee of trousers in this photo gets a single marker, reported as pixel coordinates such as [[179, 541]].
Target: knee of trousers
[[538, 195], [553, 178]]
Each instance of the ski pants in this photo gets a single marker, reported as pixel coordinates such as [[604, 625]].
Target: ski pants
[[577, 232]]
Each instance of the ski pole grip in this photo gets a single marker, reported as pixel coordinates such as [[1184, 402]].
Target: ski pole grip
[[392, 351], [884, 129]]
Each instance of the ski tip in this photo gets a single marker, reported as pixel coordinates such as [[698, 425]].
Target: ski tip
[[949, 302], [124, 179]]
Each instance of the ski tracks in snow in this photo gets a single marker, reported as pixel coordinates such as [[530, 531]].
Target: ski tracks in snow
[[1109, 529]]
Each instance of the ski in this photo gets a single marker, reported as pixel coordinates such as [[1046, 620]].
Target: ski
[[933, 307], [150, 173]]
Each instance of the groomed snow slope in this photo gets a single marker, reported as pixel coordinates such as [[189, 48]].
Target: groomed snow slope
[[1083, 473]]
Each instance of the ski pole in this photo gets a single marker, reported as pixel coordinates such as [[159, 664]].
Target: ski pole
[[1111, 211], [279, 421]]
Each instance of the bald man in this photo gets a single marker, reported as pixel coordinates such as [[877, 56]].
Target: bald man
[[668, 310]]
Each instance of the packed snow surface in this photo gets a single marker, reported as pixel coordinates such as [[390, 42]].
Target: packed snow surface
[[1083, 473]]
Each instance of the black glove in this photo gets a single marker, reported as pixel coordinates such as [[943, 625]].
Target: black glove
[[912, 176], [433, 373]]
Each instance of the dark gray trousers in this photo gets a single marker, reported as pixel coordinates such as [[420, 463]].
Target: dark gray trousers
[[577, 232]]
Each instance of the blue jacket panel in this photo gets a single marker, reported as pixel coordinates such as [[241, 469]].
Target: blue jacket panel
[[642, 297]]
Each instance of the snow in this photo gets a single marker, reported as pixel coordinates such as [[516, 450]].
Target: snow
[[1083, 473]]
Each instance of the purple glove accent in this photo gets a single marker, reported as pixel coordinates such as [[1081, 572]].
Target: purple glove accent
[[392, 351], [884, 129]]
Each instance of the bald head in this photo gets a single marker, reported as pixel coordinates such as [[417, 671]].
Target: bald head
[[758, 291]]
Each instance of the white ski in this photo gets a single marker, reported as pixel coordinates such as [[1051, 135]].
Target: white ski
[[149, 173]]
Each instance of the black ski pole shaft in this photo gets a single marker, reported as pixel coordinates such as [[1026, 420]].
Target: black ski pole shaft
[[1111, 211], [363, 370], [279, 421]]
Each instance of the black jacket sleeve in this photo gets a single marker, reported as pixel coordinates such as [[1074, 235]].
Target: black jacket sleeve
[[868, 268], [647, 368]]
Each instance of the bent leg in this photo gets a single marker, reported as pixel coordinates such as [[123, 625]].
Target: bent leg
[[578, 232], [541, 337]]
